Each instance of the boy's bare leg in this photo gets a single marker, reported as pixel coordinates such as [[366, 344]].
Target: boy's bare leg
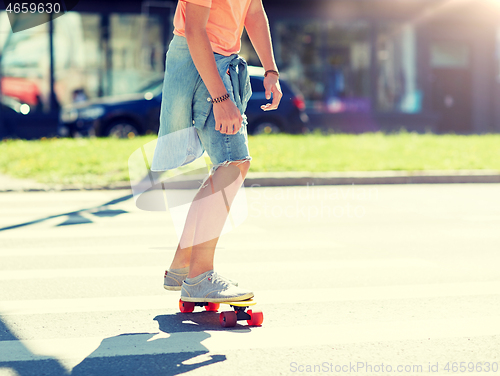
[[206, 218]]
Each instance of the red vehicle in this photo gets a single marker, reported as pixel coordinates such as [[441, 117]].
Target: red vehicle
[[25, 91]]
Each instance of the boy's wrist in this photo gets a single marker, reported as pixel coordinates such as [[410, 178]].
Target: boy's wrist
[[272, 71], [269, 64], [219, 99]]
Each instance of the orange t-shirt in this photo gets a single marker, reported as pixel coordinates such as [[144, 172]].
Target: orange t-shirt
[[225, 23]]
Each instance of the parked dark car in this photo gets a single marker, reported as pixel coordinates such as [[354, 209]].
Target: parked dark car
[[18, 121], [137, 114]]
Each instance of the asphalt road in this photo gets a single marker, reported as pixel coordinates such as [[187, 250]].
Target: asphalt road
[[401, 279]]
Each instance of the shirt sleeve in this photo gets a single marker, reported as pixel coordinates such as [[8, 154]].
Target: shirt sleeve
[[205, 3]]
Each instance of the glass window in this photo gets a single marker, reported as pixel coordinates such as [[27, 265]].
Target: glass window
[[5, 29], [71, 54], [136, 51], [82, 67], [347, 68], [497, 54], [25, 65], [449, 54], [329, 62], [299, 57], [397, 89]]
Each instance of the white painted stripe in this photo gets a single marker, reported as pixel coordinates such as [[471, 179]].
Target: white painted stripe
[[33, 307], [79, 273], [255, 267], [75, 231], [169, 301], [86, 250], [77, 349]]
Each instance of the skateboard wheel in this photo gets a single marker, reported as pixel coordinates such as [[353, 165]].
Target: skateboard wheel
[[186, 307], [227, 319], [212, 307], [257, 317]]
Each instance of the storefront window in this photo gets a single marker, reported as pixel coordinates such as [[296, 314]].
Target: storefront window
[[77, 61], [329, 62], [93, 58], [83, 67], [497, 54], [397, 89], [25, 65], [136, 51], [347, 67], [72, 54]]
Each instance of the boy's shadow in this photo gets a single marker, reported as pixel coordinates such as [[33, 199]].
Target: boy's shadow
[[167, 353]]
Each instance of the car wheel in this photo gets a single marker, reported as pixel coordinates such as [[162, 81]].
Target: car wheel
[[122, 129], [266, 127]]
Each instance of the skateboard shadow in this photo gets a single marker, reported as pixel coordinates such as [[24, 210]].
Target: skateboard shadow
[[143, 354], [177, 348]]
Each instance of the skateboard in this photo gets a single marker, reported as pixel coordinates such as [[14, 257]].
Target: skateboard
[[228, 319]]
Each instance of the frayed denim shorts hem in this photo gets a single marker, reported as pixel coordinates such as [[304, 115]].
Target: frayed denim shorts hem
[[224, 148]]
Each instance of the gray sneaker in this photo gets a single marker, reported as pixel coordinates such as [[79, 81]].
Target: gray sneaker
[[173, 281], [214, 289]]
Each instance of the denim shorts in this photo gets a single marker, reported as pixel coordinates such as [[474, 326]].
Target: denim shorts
[[184, 100]]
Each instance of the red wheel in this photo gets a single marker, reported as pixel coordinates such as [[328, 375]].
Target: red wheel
[[227, 319], [186, 307], [212, 307], [257, 317]]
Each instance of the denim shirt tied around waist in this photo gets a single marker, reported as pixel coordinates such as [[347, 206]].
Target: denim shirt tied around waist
[[186, 104]]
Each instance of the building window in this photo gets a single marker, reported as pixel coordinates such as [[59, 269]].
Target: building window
[[75, 52], [25, 64], [329, 62], [347, 67], [137, 52], [397, 89], [83, 68]]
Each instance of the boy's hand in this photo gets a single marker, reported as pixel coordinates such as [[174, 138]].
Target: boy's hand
[[272, 85], [227, 117]]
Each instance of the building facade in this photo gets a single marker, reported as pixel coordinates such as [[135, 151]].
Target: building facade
[[362, 65], [390, 64]]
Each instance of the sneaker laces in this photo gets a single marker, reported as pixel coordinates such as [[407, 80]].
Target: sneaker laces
[[216, 278]]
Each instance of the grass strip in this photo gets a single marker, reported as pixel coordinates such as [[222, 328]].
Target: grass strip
[[104, 161]]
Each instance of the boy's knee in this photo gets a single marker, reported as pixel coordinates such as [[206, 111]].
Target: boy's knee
[[244, 166]]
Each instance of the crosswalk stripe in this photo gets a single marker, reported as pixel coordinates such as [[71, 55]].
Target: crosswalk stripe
[[169, 300], [255, 267], [77, 349], [67, 232], [79, 273], [88, 251]]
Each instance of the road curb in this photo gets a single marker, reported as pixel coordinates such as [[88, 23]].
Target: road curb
[[275, 179], [376, 177]]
